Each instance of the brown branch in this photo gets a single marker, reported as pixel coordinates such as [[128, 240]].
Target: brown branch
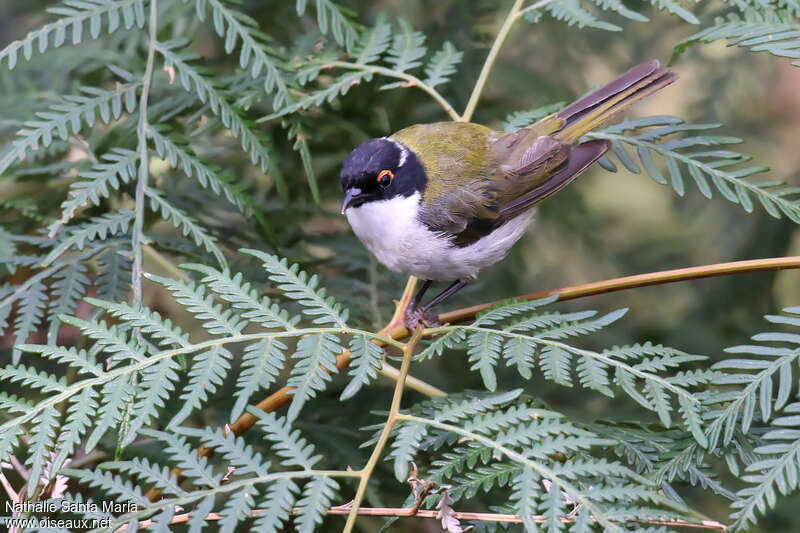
[[482, 517], [631, 282], [396, 327]]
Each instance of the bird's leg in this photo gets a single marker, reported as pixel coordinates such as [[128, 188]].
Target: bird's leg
[[412, 315], [424, 313]]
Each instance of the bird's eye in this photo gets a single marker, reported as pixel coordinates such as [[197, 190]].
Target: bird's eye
[[385, 177]]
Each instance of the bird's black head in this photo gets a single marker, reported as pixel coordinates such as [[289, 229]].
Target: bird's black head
[[380, 169]]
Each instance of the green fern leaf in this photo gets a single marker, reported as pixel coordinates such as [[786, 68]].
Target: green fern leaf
[[334, 18], [174, 150], [289, 445], [187, 225], [68, 117], [234, 449], [654, 136], [192, 465], [254, 55], [115, 168], [373, 43], [153, 389], [277, 505], [408, 47], [116, 395], [571, 12], [148, 472], [75, 15], [255, 309], [209, 369], [296, 285], [366, 358], [314, 502], [442, 65], [769, 30], [41, 443], [97, 228], [113, 274], [29, 316], [315, 361], [261, 364], [193, 81], [68, 288]]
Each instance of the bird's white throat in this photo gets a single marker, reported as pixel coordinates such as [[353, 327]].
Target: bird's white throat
[[391, 230]]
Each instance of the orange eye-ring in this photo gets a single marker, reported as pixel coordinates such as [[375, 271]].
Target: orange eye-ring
[[385, 177]]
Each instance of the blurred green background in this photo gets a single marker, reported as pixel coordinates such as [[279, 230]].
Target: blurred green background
[[605, 225]]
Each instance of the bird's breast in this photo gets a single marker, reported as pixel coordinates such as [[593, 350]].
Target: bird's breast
[[392, 231]]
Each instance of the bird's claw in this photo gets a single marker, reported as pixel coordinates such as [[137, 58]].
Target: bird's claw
[[426, 317]]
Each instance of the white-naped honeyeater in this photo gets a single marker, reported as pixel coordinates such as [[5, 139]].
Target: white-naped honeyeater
[[443, 201]]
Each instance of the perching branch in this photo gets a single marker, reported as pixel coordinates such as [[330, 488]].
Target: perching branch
[[490, 59], [409, 512]]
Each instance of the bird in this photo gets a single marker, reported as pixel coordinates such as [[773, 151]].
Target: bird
[[442, 201]]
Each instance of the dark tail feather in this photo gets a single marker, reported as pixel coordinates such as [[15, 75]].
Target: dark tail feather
[[580, 158], [602, 104]]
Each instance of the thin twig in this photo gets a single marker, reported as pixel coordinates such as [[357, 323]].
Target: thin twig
[[144, 162], [411, 81], [479, 517], [394, 410], [533, 7], [490, 59], [630, 282]]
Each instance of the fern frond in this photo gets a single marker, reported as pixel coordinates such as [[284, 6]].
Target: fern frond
[[261, 363], [115, 168], [442, 65], [116, 395], [314, 502], [407, 50], [721, 165], [290, 445], [366, 358], [209, 370], [315, 361], [110, 339], [277, 505], [335, 18], [153, 388], [218, 321], [148, 472], [192, 465], [144, 319], [373, 42], [571, 12], [296, 284], [234, 449], [193, 81], [80, 416], [75, 14], [41, 444], [110, 484], [776, 467], [68, 117], [175, 151], [756, 376], [187, 224], [78, 359], [772, 31], [254, 56], [68, 288], [29, 315], [255, 309], [113, 274], [96, 228]]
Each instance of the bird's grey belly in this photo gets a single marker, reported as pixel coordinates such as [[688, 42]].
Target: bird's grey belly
[[391, 231]]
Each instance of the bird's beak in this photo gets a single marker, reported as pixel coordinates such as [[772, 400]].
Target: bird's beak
[[349, 196]]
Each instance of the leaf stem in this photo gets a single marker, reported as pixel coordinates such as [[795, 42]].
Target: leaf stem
[[410, 79], [394, 410], [144, 161], [490, 59]]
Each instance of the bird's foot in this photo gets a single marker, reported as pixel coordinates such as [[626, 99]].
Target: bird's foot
[[426, 317]]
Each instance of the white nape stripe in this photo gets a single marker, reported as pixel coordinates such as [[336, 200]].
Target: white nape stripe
[[403, 150]]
